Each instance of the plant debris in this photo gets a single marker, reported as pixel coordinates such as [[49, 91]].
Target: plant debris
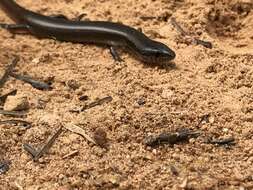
[[97, 103], [76, 129], [174, 170], [35, 84], [170, 138], [71, 154], [24, 124], [37, 154], [184, 33], [8, 71], [13, 113], [225, 141], [4, 166]]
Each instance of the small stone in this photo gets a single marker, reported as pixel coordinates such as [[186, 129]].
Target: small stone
[[83, 98], [42, 58], [100, 137], [174, 170], [211, 119], [16, 103], [4, 167], [192, 140], [225, 130], [41, 103], [211, 69], [147, 157], [141, 101], [184, 184], [73, 84], [112, 178]]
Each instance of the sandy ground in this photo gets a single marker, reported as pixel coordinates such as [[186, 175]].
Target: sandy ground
[[215, 82]]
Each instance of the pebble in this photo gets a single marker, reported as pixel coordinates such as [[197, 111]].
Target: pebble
[[100, 137], [16, 103], [225, 130], [73, 84]]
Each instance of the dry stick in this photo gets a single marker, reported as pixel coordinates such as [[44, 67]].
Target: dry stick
[[35, 84], [203, 118], [226, 141], [73, 153], [93, 104], [13, 113], [16, 121], [28, 148], [37, 154], [178, 27], [97, 102], [170, 138], [8, 71], [195, 40], [203, 43], [48, 145], [76, 129]]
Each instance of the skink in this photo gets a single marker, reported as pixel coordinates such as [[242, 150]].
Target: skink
[[100, 32]]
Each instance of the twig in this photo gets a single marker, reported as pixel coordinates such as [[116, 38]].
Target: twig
[[178, 27], [184, 33], [203, 118], [13, 113], [73, 153], [30, 150], [35, 84], [80, 131], [170, 138], [49, 144], [226, 141], [37, 154], [8, 71], [203, 43], [16, 121], [97, 103]]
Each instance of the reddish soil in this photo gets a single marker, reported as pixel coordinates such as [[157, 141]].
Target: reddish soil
[[147, 100]]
